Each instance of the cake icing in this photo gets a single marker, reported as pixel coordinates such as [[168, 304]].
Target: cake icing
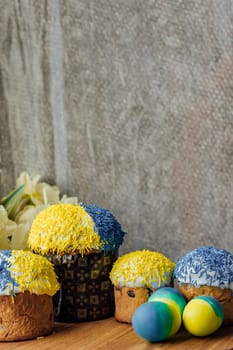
[[68, 228], [22, 271], [107, 227], [142, 269], [206, 266]]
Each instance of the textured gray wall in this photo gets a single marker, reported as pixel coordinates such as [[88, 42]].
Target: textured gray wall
[[127, 104]]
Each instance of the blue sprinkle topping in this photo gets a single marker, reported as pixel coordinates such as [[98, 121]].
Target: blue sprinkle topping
[[5, 277], [106, 226], [206, 266]]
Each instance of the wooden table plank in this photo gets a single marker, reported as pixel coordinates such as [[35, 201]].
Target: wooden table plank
[[112, 335]]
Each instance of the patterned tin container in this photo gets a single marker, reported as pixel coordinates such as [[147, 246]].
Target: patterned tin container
[[86, 292]]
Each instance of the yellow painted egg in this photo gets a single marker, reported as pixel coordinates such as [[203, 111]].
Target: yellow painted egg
[[203, 316]]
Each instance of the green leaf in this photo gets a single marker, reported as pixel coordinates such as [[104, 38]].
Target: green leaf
[[12, 200]]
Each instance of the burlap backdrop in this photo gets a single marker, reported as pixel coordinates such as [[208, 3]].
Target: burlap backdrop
[[127, 103]]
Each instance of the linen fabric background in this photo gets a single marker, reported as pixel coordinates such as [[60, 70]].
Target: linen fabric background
[[127, 104]]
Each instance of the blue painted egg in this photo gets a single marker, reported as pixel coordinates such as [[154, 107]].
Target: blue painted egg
[[169, 295], [156, 321], [203, 315]]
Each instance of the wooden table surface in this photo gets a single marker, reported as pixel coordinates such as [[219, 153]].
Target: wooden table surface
[[110, 334]]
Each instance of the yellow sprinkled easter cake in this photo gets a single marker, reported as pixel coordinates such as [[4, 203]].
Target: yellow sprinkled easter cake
[[135, 276], [27, 284], [82, 241]]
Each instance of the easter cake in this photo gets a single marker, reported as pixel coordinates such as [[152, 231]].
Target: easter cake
[[27, 284], [135, 276], [82, 242], [207, 271]]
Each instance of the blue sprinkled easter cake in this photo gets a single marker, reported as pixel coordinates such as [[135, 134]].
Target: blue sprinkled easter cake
[[207, 270], [82, 242], [27, 284]]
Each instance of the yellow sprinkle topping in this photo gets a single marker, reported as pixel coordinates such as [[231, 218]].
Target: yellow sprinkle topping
[[142, 268], [33, 273], [63, 228]]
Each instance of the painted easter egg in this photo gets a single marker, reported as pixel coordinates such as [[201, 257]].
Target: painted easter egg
[[169, 295], [156, 321], [203, 315]]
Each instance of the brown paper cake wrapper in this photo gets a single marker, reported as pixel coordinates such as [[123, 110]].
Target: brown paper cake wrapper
[[25, 316], [127, 300], [86, 292], [223, 295]]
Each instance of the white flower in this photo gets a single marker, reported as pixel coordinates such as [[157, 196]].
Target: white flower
[[20, 207], [38, 192], [7, 228]]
